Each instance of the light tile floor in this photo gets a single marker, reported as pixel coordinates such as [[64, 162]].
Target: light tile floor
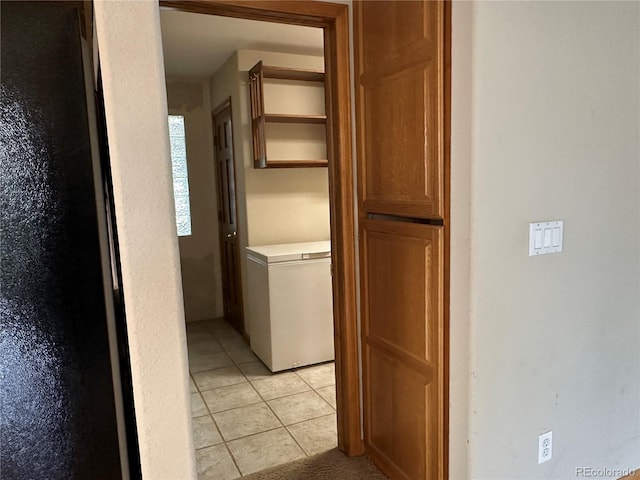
[[245, 418]]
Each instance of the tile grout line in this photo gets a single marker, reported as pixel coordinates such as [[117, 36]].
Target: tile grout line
[[298, 423], [316, 391], [309, 419], [257, 433], [297, 443], [250, 382], [215, 424], [206, 406], [286, 426], [302, 421], [237, 365], [276, 415]]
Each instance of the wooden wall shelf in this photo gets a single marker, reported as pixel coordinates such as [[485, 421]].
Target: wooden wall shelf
[[292, 74], [286, 118], [296, 163], [259, 118]]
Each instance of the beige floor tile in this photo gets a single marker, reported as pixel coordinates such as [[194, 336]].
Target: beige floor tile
[[317, 435], [203, 347], [198, 407], [242, 355], [199, 336], [196, 327], [210, 361], [192, 386], [255, 370], [329, 394], [300, 407], [205, 432], [218, 378], [217, 323], [233, 396], [219, 331], [232, 342], [319, 376], [215, 463], [280, 385], [265, 450], [244, 421]]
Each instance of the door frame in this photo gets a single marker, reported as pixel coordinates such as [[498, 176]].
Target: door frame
[[333, 18], [214, 112]]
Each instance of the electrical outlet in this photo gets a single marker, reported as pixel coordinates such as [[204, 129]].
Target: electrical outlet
[[545, 447]]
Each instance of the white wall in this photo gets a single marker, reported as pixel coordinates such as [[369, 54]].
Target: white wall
[[550, 131], [279, 205], [274, 205], [136, 109], [200, 251], [287, 205]]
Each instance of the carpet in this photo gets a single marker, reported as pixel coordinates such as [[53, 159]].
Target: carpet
[[331, 465]]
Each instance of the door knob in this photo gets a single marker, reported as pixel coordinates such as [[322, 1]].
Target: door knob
[[232, 234]]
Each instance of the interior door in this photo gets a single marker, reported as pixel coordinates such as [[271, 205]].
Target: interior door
[[228, 218], [401, 138]]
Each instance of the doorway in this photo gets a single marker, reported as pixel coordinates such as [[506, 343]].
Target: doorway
[[332, 19]]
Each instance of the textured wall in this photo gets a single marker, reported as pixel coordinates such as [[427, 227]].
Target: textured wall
[[552, 132], [136, 108]]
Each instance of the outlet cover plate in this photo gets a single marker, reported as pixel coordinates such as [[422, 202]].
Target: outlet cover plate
[[545, 447]]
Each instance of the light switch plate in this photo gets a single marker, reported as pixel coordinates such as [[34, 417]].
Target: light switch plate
[[545, 237]]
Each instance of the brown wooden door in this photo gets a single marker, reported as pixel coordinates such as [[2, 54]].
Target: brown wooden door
[[401, 140], [228, 218], [403, 351], [400, 60]]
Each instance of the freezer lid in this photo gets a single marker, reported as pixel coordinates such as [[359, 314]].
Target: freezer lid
[[288, 252]]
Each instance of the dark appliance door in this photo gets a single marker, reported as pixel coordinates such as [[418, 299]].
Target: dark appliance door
[[62, 410]]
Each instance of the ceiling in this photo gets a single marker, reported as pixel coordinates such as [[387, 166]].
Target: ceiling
[[196, 45]]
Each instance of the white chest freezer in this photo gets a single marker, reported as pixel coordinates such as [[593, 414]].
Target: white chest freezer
[[290, 303]]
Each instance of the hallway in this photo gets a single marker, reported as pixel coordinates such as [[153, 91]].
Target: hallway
[[247, 419]]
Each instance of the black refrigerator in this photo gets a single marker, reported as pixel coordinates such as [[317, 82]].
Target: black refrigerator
[[65, 393]]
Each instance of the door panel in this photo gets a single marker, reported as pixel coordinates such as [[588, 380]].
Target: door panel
[[400, 257], [398, 25], [400, 64], [403, 345], [401, 440], [227, 219]]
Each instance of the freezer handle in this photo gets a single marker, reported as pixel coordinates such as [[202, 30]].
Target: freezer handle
[[316, 255]]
